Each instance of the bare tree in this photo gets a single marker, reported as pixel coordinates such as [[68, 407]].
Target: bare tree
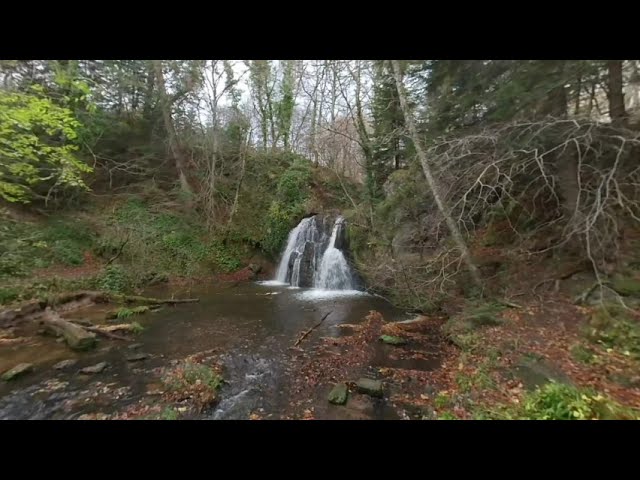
[[433, 186], [174, 141]]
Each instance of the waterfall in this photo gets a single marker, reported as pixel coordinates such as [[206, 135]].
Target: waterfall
[[334, 272], [312, 258]]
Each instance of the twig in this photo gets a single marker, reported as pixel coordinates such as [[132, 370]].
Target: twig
[[119, 252], [304, 335]]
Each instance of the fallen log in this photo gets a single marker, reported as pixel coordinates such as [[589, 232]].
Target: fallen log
[[77, 337], [304, 335], [34, 308], [107, 331], [152, 301]]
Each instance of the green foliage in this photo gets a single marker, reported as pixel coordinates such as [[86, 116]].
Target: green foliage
[[169, 414], [164, 241], [8, 295], [611, 328], [36, 147], [115, 279], [626, 286], [292, 193], [226, 258], [582, 353], [136, 327], [125, 312], [25, 246], [556, 401]]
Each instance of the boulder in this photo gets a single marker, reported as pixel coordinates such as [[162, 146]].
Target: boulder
[[136, 357], [255, 268], [338, 395], [370, 387], [17, 371], [307, 270], [65, 364], [534, 372], [97, 368]]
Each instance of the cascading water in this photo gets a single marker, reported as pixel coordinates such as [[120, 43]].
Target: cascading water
[[334, 272], [314, 259]]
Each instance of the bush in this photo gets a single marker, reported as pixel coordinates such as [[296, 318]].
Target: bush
[[115, 279]]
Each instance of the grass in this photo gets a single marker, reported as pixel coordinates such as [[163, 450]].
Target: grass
[[125, 312], [555, 401], [136, 327], [612, 328], [197, 383]]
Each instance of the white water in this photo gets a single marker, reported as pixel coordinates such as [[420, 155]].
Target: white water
[[334, 272], [295, 243], [330, 272]]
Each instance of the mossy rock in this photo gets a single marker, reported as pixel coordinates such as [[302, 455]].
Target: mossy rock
[[17, 371], [370, 387], [534, 373], [629, 287], [339, 394]]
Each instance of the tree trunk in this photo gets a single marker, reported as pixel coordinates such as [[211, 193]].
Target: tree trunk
[[433, 186], [578, 91], [174, 144], [616, 96]]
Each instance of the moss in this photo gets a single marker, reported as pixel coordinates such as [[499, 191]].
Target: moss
[[626, 286], [612, 328]]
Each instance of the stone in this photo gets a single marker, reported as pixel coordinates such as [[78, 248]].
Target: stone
[[391, 340], [97, 368], [534, 372], [137, 357], [370, 387], [17, 371], [65, 364], [255, 268], [307, 270], [338, 395], [134, 346]]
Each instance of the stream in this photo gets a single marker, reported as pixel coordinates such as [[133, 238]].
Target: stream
[[251, 325]]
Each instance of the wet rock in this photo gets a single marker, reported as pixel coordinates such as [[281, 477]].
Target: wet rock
[[136, 357], [370, 387], [134, 346], [535, 372], [97, 368], [17, 371], [361, 404], [65, 364], [307, 270], [391, 340], [255, 268], [338, 395]]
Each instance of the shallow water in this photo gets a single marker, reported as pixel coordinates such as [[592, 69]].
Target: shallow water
[[251, 326]]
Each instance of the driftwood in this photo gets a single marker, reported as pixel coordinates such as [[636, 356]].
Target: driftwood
[[107, 331], [77, 337], [304, 335]]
